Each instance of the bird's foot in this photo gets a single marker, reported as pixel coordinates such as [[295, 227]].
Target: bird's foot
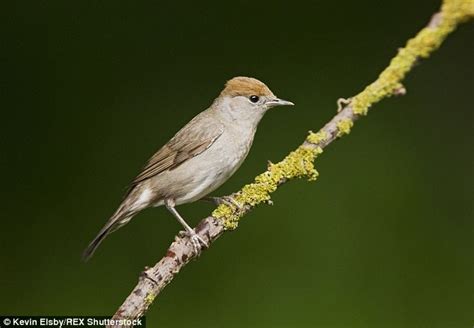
[[198, 242]]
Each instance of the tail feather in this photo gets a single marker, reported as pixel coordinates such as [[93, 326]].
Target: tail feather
[[119, 219]]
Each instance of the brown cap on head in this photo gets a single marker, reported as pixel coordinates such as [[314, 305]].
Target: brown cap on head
[[246, 86]]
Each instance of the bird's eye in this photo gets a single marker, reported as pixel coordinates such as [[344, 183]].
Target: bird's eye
[[254, 98]]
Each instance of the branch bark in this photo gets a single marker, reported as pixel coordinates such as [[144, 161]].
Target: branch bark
[[298, 163]]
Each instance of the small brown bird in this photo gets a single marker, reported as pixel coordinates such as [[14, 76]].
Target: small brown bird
[[199, 158]]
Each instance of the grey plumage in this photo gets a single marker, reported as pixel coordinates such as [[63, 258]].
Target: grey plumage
[[199, 158]]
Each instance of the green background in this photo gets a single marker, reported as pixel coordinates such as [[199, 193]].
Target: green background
[[91, 89]]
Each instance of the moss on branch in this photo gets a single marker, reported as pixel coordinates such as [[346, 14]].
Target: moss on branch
[[300, 163], [453, 12]]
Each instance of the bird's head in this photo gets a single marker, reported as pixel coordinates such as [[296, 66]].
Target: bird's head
[[247, 99]]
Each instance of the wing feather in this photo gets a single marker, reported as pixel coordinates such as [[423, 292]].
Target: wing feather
[[190, 141]]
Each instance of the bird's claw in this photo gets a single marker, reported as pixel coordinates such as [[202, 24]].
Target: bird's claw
[[198, 243]]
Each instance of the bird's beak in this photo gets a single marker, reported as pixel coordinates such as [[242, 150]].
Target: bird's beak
[[279, 102]]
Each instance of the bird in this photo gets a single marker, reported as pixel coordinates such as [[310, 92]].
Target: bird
[[200, 157]]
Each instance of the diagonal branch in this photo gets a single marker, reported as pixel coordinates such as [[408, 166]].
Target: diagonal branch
[[300, 162]]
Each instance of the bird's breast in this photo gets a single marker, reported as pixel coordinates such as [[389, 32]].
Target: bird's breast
[[209, 170]]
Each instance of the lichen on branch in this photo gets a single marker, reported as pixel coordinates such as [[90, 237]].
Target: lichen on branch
[[453, 12], [300, 162]]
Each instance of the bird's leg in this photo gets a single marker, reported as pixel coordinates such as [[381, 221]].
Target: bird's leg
[[227, 200], [196, 240]]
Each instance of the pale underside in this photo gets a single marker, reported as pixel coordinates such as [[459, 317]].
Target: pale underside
[[195, 162]]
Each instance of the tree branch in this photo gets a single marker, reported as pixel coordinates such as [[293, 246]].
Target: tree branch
[[300, 162]]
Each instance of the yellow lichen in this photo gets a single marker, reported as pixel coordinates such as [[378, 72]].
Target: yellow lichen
[[149, 298], [316, 138], [344, 127], [298, 164], [422, 45]]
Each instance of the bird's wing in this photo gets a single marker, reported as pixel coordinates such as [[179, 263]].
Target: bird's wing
[[190, 141]]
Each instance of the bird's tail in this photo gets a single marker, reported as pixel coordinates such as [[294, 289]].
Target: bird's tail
[[120, 218]]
